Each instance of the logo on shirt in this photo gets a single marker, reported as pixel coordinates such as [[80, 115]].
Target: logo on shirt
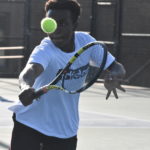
[[76, 73]]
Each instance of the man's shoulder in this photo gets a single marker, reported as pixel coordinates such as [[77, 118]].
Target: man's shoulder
[[84, 36], [45, 41], [82, 33], [43, 46]]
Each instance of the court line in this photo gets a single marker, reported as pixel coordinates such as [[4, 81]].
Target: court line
[[95, 119]]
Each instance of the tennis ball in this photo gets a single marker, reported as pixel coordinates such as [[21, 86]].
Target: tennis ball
[[48, 25]]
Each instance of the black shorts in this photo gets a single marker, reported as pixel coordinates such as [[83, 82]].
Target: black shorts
[[26, 138]]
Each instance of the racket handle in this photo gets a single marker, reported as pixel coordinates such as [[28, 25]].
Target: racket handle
[[39, 93]]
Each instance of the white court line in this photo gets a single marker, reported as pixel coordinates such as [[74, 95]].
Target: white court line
[[95, 119]]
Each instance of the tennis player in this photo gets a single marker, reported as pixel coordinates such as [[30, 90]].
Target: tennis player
[[52, 122]]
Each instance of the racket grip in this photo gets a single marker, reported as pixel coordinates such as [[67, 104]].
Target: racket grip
[[39, 93]]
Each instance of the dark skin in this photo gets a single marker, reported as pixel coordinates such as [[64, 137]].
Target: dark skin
[[63, 38], [113, 78]]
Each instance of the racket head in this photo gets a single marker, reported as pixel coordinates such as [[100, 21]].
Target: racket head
[[81, 72], [84, 68]]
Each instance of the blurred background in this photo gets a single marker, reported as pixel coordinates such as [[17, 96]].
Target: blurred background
[[124, 25]]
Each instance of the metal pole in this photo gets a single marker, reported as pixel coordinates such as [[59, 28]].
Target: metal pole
[[93, 17], [118, 28], [27, 30]]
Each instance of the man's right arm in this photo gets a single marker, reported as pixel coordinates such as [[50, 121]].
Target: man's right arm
[[26, 80]]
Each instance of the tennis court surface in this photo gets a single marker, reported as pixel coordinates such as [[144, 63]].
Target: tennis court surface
[[122, 124]]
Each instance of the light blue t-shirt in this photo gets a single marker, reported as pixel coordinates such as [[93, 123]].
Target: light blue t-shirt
[[56, 112]]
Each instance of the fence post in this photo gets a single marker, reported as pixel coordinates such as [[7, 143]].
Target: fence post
[[27, 30]]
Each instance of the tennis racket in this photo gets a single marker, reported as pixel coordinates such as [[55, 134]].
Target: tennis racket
[[75, 78]]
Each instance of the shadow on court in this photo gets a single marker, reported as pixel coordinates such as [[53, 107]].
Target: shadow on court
[[2, 99], [3, 145], [116, 124]]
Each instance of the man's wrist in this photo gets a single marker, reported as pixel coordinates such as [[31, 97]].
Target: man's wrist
[[23, 87]]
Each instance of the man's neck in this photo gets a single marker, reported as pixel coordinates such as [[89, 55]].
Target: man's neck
[[69, 47]]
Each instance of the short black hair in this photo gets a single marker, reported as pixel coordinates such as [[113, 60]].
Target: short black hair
[[72, 5]]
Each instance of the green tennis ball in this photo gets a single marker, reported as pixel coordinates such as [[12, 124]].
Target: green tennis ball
[[48, 25]]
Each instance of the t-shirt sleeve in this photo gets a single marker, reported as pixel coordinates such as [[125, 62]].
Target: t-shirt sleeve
[[41, 55], [85, 38], [98, 55]]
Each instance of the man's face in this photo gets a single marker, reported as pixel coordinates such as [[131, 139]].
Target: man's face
[[65, 27]]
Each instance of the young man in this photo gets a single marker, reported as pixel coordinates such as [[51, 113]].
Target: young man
[[52, 121]]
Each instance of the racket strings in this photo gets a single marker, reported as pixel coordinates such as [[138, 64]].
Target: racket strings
[[74, 79], [84, 71]]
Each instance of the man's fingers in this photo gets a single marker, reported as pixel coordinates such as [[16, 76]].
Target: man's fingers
[[115, 93], [121, 88], [112, 86], [108, 94]]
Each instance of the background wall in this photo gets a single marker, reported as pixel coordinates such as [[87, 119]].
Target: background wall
[[123, 25]]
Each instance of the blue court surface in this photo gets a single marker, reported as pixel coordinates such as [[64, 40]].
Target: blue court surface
[[122, 124]]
